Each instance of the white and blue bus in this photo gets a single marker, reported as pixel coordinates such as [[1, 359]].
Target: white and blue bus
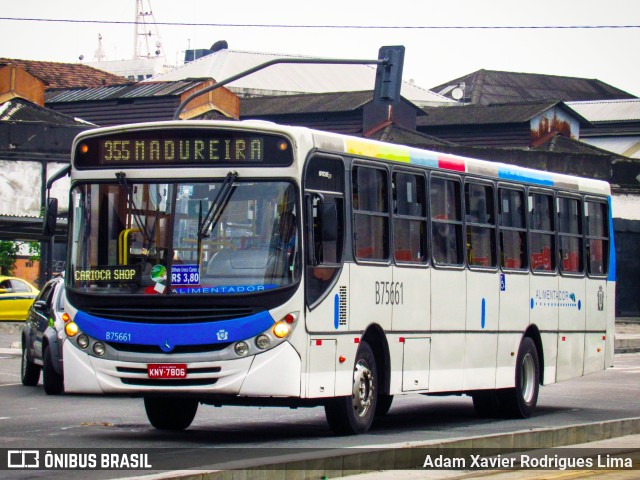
[[247, 263]]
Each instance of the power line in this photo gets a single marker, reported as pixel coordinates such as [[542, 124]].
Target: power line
[[361, 27]]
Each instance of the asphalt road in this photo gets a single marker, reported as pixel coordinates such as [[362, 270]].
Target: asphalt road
[[31, 419]]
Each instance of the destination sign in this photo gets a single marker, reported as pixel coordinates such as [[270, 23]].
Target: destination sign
[[102, 275], [183, 147]]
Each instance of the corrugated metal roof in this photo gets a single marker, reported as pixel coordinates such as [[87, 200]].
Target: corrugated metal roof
[[608, 110], [306, 103], [487, 114], [21, 110], [626, 146], [290, 78], [135, 90], [485, 87]]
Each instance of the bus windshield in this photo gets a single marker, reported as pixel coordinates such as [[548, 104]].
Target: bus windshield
[[227, 237]]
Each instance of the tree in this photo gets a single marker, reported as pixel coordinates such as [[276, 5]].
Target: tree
[[8, 256], [9, 253]]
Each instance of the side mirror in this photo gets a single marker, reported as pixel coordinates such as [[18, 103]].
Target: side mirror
[[50, 217], [40, 305]]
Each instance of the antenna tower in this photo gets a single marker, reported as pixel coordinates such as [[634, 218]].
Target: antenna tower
[[99, 54], [144, 45]]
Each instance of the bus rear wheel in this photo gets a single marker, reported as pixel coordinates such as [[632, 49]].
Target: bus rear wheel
[[170, 413], [520, 401], [354, 414]]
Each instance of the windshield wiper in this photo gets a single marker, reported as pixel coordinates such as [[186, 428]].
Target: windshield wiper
[[137, 214], [217, 205]]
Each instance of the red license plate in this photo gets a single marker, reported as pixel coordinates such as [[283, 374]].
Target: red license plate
[[163, 370]]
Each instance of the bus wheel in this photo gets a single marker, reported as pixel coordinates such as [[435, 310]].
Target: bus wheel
[[170, 413], [52, 380], [353, 414], [383, 405], [520, 401], [29, 371]]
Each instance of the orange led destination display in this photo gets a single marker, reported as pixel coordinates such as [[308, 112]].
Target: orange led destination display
[[183, 147]]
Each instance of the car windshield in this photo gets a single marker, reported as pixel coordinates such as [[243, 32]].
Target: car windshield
[[227, 237]]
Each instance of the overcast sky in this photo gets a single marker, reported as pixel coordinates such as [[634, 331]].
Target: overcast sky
[[433, 56]]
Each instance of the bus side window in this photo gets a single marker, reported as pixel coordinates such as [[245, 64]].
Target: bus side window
[[481, 232], [371, 213], [570, 235], [446, 221], [513, 229], [542, 232], [409, 218], [597, 230]]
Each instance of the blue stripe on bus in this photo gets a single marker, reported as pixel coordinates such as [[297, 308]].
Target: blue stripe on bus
[[336, 311], [612, 246], [538, 178], [167, 336]]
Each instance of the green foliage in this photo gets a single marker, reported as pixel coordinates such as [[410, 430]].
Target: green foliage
[[8, 255]]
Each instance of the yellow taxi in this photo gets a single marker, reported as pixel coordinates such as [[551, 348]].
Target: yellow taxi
[[16, 296]]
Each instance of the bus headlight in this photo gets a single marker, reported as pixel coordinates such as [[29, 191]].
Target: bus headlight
[[262, 341], [83, 341], [99, 348], [241, 349]]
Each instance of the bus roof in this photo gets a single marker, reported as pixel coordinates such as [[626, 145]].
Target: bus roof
[[456, 163]]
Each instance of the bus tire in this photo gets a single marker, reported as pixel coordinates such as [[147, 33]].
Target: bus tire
[[29, 371], [486, 403], [52, 380], [520, 401], [383, 405], [354, 414], [170, 413]]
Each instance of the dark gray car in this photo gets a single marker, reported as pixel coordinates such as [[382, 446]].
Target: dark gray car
[[42, 337]]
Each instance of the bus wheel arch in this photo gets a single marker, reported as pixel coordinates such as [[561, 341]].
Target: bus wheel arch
[[376, 338], [520, 401], [534, 334]]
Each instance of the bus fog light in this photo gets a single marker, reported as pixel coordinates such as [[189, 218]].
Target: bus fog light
[[83, 341], [241, 349], [262, 342], [71, 329], [281, 329], [98, 348]]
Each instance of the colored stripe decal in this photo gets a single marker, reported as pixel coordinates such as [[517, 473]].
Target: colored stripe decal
[[538, 178], [167, 336], [452, 164]]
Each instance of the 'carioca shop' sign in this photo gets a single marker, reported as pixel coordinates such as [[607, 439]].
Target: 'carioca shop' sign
[[108, 274]]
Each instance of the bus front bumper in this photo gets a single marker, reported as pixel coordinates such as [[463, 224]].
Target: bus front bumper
[[275, 372]]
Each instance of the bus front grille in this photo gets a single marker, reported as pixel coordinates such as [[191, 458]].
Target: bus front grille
[[172, 315]]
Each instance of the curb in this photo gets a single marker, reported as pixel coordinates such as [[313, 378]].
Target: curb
[[408, 456]]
